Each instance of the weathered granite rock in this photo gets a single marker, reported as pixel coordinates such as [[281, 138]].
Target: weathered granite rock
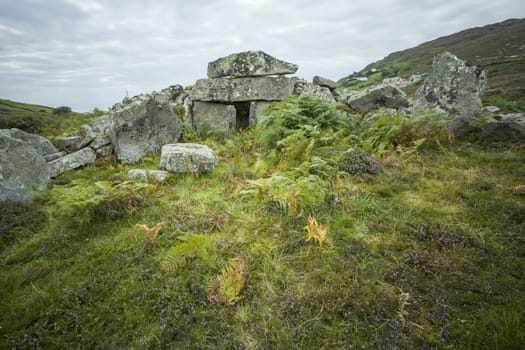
[[143, 127], [22, 168], [453, 88], [249, 64], [213, 116], [176, 93], [187, 158], [256, 109], [88, 138], [317, 80], [69, 143], [302, 87], [142, 174], [72, 161], [42, 145], [505, 127], [242, 89], [381, 96]]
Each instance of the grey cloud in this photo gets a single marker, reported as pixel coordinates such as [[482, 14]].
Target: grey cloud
[[90, 53]]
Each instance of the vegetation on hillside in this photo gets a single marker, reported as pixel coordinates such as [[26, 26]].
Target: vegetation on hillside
[[278, 247], [497, 48], [42, 120]]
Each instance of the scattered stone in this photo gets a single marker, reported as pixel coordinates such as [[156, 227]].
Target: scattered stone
[[453, 88], [317, 80], [22, 168], [72, 161], [42, 145], [249, 64], [69, 143], [489, 110], [302, 87], [242, 89], [213, 116], [187, 158], [505, 127], [143, 127], [90, 136], [359, 162], [381, 96], [396, 81], [142, 174], [53, 156], [415, 78]]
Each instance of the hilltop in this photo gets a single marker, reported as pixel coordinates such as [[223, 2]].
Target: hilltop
[[498, 48]]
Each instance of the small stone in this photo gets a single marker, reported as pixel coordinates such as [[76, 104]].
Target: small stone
[[187, 158], [142, 174]]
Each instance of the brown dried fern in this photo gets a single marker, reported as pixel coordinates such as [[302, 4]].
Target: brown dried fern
[[225, 288]]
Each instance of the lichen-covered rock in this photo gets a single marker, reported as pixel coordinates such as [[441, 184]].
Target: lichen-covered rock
[[72, 161], [302, 87], [142, 174], [22, 168], [506, 127], [256, 109], [53, 156], [209, 116], [142, 127], [42, 145], [317, 80], [376, 97], [249, 64], [242, 89], [187, 158], [359, 162], [454, 88]]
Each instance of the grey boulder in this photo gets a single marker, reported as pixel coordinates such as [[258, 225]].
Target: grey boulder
[[142, 127], [506, 127], [187, 158], [302, 87], [249, 64], [454, 88], [317, 80], [42, 145], [22, 169], [72, 161], [381, 96]]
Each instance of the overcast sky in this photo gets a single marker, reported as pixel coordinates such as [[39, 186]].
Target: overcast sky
[[90, 53]]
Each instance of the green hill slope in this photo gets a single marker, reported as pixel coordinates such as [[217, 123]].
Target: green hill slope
[[498, 48]]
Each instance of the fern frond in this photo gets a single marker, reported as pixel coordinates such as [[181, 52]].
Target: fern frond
[[315, 231], [225, 288]]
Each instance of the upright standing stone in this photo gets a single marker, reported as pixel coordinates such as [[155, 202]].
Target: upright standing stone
[[213, 116], [454, 88], [249, 64]]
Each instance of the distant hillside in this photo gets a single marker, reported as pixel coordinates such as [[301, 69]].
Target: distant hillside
[[498, 48], [40, 119]]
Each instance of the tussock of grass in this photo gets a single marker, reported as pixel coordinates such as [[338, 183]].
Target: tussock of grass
[[426, 254]]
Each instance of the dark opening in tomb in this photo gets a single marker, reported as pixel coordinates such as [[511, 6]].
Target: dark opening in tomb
[[242, 115]]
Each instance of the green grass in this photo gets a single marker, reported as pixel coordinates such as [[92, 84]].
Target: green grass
[[426, 254]]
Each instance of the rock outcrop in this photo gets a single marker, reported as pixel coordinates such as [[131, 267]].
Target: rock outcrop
[[142, 127], [453, 88], [380, 96], [22, 165], [249, 64], [187, 158], [42, 145]]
